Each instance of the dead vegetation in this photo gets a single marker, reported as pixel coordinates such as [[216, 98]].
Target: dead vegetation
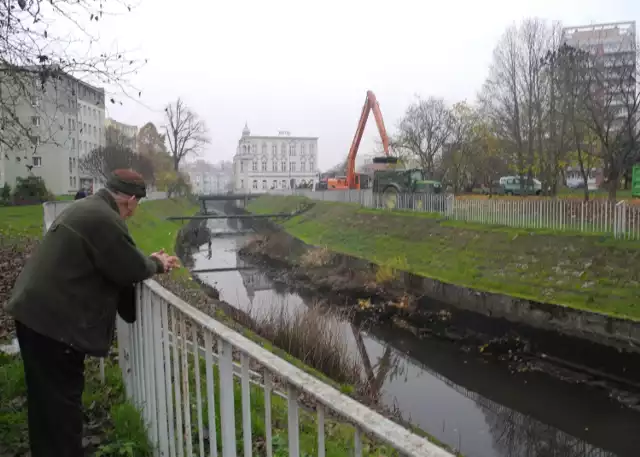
[[316, 257], [12, 259], [314, 335]]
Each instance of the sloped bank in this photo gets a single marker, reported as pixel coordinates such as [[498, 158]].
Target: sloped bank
[[368, 243]]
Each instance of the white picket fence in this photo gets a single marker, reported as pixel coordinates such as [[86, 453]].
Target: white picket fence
[[618, 219]]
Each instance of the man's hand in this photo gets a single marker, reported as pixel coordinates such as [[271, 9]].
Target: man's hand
[[169, 262]]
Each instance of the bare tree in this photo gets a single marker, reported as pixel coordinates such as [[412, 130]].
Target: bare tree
[[568, 68], [43, 44], [457, 156], [186, 132], [502, 101], [100, 162], [424, 130]]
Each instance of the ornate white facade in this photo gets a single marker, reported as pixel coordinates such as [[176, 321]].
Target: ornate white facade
[[274, 162]]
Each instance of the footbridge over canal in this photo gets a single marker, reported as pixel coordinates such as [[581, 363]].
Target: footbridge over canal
[[184, 369], [244, 198]]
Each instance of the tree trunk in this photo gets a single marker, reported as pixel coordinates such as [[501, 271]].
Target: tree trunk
[[586, 187], [613, 187]]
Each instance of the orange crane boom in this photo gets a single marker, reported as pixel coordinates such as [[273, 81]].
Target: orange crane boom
[[370, 104]]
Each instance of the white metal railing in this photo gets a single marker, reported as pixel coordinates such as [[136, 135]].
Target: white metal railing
[[180, 368], [619, 219]]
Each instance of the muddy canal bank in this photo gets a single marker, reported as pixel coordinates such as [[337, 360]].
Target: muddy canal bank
[[438, 380]]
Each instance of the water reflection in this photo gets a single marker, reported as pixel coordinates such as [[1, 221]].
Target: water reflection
[[468, 403]]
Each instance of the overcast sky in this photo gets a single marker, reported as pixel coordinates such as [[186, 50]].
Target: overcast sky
[[306, 66]]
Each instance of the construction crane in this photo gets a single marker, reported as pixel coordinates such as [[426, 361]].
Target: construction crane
[[370, 104]]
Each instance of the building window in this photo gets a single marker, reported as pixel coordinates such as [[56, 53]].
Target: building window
[[302, 147], [242, 184], [274, 184], [284, 184], [292, 166], [95, 131], [84, 127], [254, 165], [292, 149], [35, 140], [274, 149], [74, 162], [284, 166], [264, 183], [73, 144], [35, 120], [312, 148], [283, 149], [70, 165], [274, 166], [264, 165], [303, 166], [70, 181], [255, 183], [35, 100], [37, 161], [311, 166], [253, 148], [75, 183], [264, 148], [241, 166]]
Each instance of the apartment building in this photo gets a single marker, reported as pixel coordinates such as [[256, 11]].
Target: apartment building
[[127, 134], [59, 123], [274, 162], [207, 179], [614, 57], [612, 47]]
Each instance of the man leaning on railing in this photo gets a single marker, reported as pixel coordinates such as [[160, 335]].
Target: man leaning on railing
[[65, 302]]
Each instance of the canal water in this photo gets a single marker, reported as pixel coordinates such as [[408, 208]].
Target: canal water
[[476, 406]]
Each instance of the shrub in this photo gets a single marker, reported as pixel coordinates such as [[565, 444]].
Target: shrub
[[5, 193], [31, 190]]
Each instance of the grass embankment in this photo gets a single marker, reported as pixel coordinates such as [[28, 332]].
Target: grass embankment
[[114, 426], [582, 271]]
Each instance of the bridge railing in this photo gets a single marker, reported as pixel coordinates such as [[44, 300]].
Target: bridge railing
[[187, 372]]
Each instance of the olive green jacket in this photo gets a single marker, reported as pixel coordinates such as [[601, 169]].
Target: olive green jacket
[[70, 288]]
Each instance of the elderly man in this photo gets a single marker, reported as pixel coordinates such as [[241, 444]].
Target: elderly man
[[65, 302]]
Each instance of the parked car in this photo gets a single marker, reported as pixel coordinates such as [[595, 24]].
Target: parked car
[[494, 188], [512, 186]]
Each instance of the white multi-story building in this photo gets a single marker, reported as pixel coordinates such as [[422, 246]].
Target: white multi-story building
[[274, 162], [64, 119], [128, 133], [208, 179]]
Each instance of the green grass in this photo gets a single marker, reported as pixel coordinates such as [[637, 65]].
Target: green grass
[[18, 222], [582, 271], [149, 227]]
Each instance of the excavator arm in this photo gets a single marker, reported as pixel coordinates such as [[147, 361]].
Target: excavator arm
[[370, 104]]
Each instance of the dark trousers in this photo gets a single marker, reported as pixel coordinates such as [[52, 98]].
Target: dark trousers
[[55, 380]]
